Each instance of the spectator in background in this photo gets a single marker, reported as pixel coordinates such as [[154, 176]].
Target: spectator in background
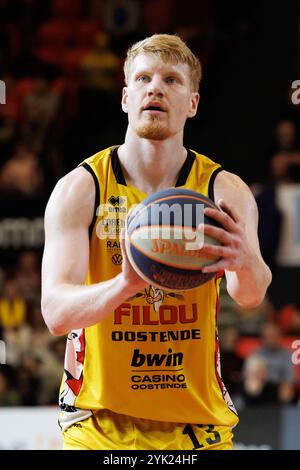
[[29, 380], [100, 66], [196, 29], [286, 154], [278, 223], [269, 375], [13, 99], [2, 279], [232, 363], [21, 173], [29, 351], [12, 306], [9, 115], [13, 320], [43, 348], [120, 21], [286, 138], [28, 275], [8, 393], [51, 369], [4, 35], [283, 166], [269, 225], [257, 389], [289, 319], [7, 132], [40, 109], [249, 321], [158, 16]]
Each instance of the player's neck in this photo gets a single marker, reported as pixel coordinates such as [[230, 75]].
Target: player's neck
[[151, 165]]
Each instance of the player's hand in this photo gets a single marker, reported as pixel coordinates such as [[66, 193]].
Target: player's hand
[[133, 282], [234, 252]]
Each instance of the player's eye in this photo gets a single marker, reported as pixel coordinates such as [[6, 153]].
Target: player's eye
[[143, 78], [171, 80]]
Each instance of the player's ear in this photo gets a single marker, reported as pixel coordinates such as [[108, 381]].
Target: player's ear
[[195, 97], [125, 99]]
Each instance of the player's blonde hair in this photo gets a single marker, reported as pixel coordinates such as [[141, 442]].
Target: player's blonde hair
[[170, 48]]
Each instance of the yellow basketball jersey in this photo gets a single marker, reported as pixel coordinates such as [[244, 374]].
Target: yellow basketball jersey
[[156, 356]]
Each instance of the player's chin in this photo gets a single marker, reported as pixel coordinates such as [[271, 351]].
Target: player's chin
[[153, 131]]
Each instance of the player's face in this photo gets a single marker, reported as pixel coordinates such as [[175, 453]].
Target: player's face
[[158, 98]]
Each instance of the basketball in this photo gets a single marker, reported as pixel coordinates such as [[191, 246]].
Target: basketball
[[162, 242]]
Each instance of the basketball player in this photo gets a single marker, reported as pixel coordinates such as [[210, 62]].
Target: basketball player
[[142, 365]]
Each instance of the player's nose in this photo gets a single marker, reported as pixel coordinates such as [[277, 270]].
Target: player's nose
[[155, 86]]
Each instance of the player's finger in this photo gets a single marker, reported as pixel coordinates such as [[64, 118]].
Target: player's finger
[[217, 251], [222, 264], [218, 233], [224, 219], [229, 210]]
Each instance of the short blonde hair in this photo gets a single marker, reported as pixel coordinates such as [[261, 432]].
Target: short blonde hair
[[170, 48]]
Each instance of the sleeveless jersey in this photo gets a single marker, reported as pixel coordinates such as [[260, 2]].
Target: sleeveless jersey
[[156, 356]]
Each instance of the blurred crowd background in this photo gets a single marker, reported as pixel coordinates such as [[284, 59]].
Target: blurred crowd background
[[61, 62]]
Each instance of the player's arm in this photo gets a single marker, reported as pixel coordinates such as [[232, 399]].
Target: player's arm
[[66, 302], [248, 276]]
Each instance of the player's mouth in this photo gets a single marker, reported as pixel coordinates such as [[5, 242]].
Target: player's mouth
[[154, 108]]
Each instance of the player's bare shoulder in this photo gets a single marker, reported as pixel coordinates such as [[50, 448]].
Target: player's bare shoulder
[[230, 181], [73, 197], [233, 190]]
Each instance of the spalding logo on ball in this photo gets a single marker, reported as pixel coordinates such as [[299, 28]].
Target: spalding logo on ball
[[163, 242]]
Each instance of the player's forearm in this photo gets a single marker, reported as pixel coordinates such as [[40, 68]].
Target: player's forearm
[[248, 286], [68, 307]]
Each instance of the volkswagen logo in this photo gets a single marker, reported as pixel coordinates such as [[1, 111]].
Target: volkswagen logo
[[117, 258]]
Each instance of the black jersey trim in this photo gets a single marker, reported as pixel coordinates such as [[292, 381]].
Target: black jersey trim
[[116, 166], [182, 177], [97, 196], [211, 194], [185, 169]]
